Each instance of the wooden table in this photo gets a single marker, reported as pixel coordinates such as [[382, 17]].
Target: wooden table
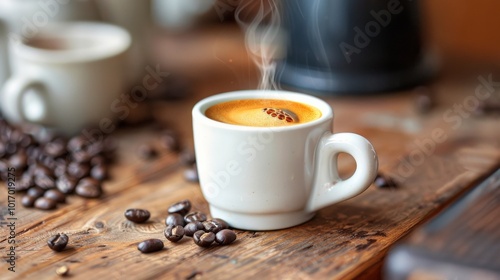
[[347, 240]]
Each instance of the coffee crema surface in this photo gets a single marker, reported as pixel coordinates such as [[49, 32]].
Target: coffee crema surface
[[263, 112]]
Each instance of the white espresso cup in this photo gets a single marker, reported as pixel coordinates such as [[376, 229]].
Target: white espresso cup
[[67, 76], [266, 178]]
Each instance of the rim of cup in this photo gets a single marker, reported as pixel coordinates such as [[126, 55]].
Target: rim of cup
[[202, 105], [82, 41]]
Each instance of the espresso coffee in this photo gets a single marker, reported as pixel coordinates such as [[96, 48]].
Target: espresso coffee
[[263, 112]]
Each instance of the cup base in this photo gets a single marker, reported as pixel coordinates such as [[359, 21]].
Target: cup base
[[261, 221]]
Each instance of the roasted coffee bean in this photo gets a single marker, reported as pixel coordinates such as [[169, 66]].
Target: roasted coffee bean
[[66, 184], [26, 141], [174, 220], [213, 226], [40, 170], [55, 148], [44, 203], [181, 207], [99, 172], [150, 246], [193, 227], [24, 183], [137, 215], [60, 169], [35, 192], [203, 239], [169, 140], [19, 161], [174, 233], [423, 103], [45, 182], [195, 216], [77, 143], [81, 156], [384, 182], [97, 160], [58, 242], [224, 224], [78, 170], [89, 188], [191, 174], [146, 151], [188, 157], [3, 150], [28, 201], [55, 195], [225, 237]]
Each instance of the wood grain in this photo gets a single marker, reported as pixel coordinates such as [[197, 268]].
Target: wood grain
[[347, 240]]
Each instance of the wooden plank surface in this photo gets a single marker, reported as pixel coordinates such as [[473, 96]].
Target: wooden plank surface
[[346, 240]]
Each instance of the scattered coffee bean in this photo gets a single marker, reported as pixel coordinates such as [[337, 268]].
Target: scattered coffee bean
[[66, 184], [45, 182], [174, 220], [147, 152], [35, 192], [137, 215], [423, 104], [195, 216], [58, 242], [62, 270], [213, 226], [89, 188], [169, 140], [193, 227], [97, 160], [150, 246], [28, 201], [39, 170], [225, 237], [44, 203], [77, 143], [385, 182], [488, 107], [99, 172], [188, 157], [203, 239], [174, 233], [55, 148], [81, 156], [19, 161], [24, 183], [424, 101], [224, 224], [181, 207], [55, 195], [78, 170], [191, 174]]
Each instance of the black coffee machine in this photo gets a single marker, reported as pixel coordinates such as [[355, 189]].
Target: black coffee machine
[[339, 47]]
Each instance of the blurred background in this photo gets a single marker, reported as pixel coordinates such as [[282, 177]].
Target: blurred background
[[194, 38]]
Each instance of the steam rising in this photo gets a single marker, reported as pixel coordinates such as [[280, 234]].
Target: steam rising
[[263, 37]]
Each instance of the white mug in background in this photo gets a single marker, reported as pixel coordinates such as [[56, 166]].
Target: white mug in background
[[290, 173], [67, 76], [23, 19]]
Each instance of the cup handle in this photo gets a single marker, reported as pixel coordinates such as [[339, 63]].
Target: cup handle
[[13, 92], [328, 188]]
